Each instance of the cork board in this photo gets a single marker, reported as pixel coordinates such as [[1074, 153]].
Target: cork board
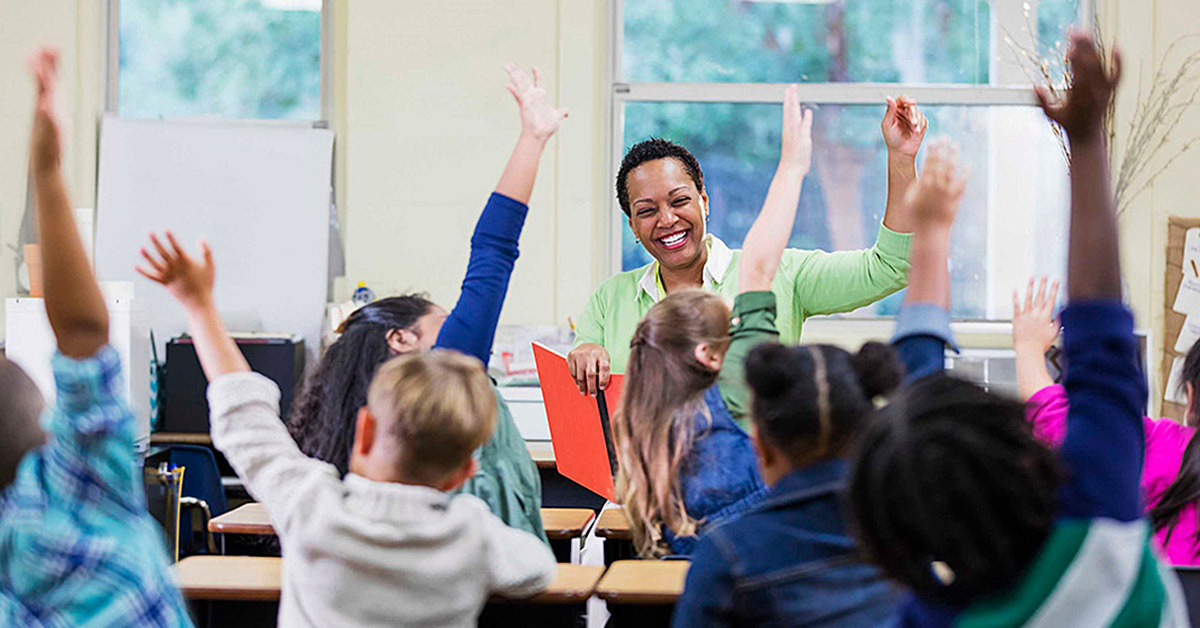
[[1172, 320]]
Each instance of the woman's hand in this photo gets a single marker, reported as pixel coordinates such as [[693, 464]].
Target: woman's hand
[[904, 127], [188, 280], [1034, 325], [539, 119], [589, 365], [797, 149]]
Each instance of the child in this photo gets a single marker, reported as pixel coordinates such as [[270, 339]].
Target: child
[[789, 560], [1171, 474], [77, 547], [388, 544], [951, 493], [323, 418], [684, 459]]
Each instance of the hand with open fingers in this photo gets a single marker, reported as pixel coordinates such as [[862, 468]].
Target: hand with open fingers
[[797, 132], [1034, 325], [46, 143], [904, 126], [539, 118], [589, 365], [939, 190], [1081, 111], [189, 280]]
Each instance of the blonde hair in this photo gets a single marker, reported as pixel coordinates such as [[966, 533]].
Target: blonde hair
[[439, 407], [655, 425]]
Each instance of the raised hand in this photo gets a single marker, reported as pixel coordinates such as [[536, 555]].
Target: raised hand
[[1034, 325], [1081, 111], [539, 118], [936, 196], [797, 132], [188, 280], [904, 126], [46, 144]]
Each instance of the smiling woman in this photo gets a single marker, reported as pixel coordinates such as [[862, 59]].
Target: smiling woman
[[660, 188]]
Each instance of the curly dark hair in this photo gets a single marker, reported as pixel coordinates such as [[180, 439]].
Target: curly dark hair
[[650, 150], [323, 416], [951, 476]]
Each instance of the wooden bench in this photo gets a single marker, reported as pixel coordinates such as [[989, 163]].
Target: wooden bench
[[642, 592], [613, 527], [244, 590]]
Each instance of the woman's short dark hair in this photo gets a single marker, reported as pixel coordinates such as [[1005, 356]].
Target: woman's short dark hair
[[324, 414], [650, 150], [811, 401], [950, 493]]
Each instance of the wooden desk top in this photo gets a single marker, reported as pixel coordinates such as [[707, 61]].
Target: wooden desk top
[[180, 438], [252, 518], [643, 581], [229, 578], [249, 518], [566, 523], [257, 578], [614, 525], [542, 453]]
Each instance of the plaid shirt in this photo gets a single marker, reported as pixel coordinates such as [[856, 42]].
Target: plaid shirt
[[77, 547]]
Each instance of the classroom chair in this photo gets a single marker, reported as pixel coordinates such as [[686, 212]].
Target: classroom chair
[[203, 495]]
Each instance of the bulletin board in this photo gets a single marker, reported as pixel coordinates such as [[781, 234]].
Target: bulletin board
[[1172, 320]]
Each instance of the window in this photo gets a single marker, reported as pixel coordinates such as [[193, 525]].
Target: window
[[247, 59], [710, 74]]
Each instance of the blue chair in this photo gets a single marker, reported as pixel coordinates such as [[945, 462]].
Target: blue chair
[[202, 492]]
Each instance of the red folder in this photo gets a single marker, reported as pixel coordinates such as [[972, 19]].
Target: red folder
[[579, 425]]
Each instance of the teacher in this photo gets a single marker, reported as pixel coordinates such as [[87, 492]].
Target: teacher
[[660, 187]]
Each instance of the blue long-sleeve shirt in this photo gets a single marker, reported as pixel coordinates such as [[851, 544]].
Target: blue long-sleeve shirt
[[471, 326], [1097, 567]]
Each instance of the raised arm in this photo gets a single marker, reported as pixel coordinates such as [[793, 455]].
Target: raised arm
[[904, 128], [74, 304], [923, 327], [1106, 388], [1034, 331], [769, 234], [191, 283], [471, 326]]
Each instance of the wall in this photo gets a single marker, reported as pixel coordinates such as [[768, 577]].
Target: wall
[[426, 128], [1145, 30]]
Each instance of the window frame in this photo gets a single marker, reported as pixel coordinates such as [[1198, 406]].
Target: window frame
[[112, 72], [1006, 91]]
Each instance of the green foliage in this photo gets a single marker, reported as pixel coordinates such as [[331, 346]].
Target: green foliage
[[233, 58]]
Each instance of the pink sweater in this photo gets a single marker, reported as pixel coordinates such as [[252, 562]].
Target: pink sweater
[[1166, 441]]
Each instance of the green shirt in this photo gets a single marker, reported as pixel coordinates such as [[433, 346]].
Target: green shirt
[[807, 283], [751, 324]]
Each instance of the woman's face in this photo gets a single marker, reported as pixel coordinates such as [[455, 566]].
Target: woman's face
[[667, 213]]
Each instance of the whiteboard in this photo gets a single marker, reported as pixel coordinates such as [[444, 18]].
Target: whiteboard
[[260, 194]]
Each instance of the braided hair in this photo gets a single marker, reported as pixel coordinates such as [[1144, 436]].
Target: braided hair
[[323, 416], [950, 493], [810, 401]]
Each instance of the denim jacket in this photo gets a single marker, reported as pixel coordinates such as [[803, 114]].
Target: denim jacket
[[788, 561], [720, 476]]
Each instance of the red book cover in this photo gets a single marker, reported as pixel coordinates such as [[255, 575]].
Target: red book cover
[[580, 432]]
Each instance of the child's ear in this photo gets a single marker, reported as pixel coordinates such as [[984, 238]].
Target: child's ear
[[1189, 417], [460, 477], [707, 357], [364, 432]]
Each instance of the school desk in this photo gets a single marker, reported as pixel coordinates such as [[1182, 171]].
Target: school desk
[[642, 592], [613, 527], [561, 524], [244, 591]]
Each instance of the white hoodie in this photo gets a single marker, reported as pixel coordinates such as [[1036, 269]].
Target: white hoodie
[[363, 553]]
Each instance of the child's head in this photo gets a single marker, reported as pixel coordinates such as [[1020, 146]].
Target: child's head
[[675, 355], [810, 401], [322, 420], [1185, 489], [426, 414], [20, 407], [951, 494]]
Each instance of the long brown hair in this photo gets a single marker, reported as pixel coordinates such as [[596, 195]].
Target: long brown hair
[[654, 427]]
